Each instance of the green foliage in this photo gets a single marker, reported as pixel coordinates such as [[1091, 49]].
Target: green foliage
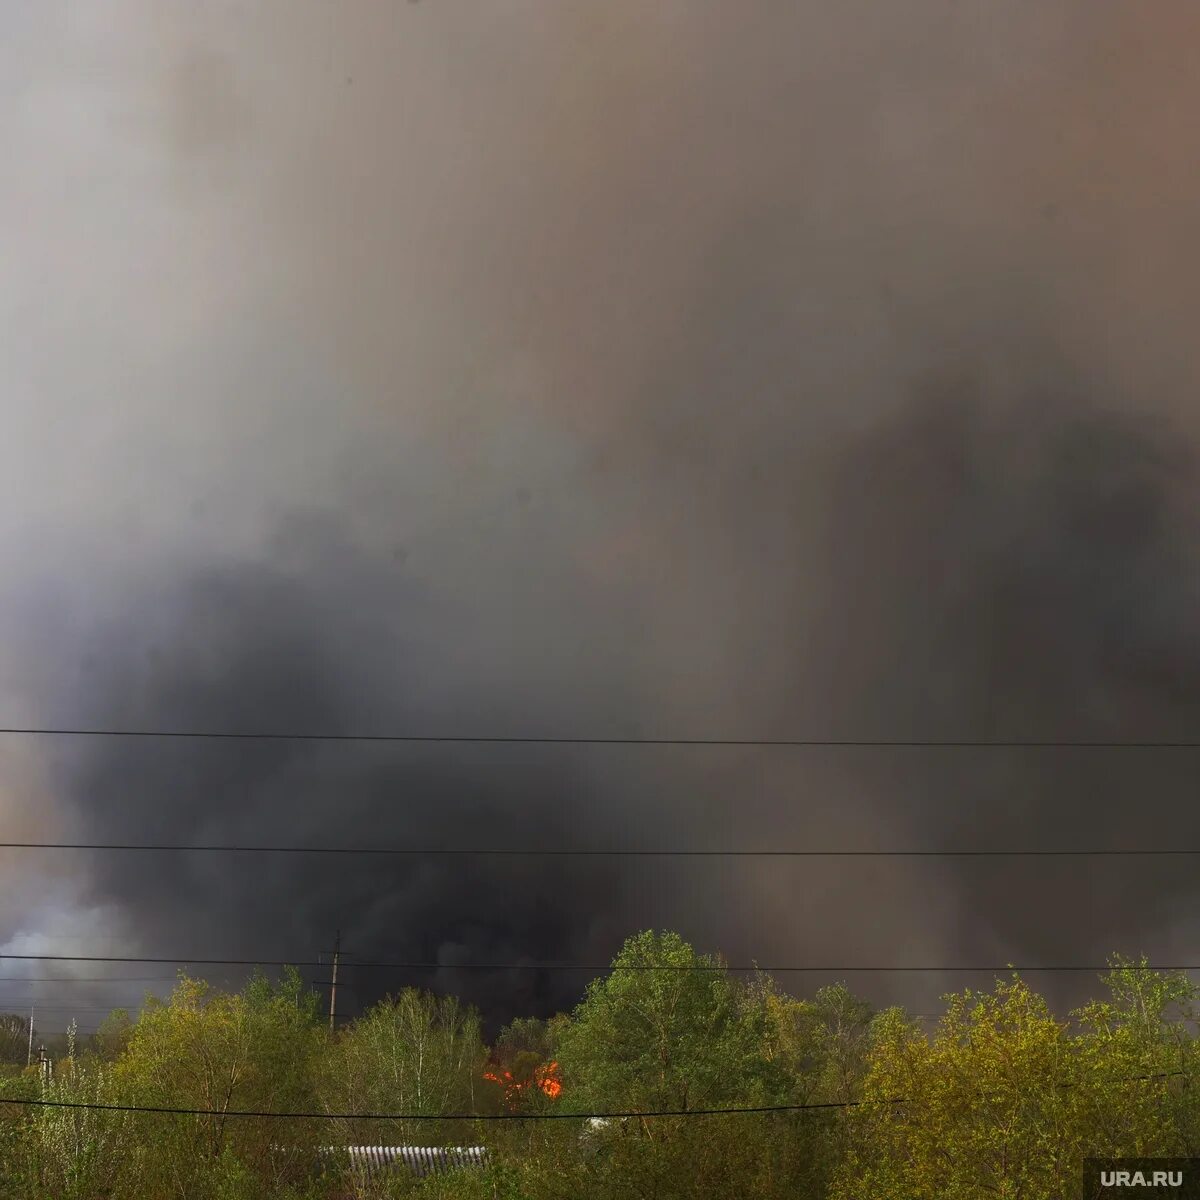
[[78, 1153], [111, 1039], [256, 1050], [14, 1038], [1004, 1098], [818, 1047], [674, 1039], [1143, 1034], [524, 1048], [412, 1053]]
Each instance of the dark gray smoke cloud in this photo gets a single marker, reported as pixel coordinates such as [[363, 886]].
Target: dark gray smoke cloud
[[602, 371], [255, 643]]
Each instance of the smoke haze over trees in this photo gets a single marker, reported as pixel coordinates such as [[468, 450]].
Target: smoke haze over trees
[[728, 1087]]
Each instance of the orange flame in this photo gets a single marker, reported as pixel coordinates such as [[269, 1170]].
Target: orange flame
[[548, 1080], [545, 1079]]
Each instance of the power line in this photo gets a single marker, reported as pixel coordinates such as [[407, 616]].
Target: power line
[[606, 968], [542, 1116], [545, 1116], [64, 1008], [55, 1033], [6, 979], [604, 852], [550, 740]]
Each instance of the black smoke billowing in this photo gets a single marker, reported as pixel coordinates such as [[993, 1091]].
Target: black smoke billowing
[[1021, 568], [303, 648]]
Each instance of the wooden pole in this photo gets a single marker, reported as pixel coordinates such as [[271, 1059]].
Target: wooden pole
[[337, 946]]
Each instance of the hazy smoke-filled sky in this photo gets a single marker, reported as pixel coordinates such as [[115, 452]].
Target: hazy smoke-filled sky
[[599, 369]]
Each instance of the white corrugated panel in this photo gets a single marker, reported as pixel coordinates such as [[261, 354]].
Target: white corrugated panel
[[421, 1160]]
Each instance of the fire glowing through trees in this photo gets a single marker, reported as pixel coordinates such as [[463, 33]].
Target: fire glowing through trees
[[544, 1078]]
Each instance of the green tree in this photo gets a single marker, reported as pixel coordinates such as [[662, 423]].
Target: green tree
[[523, 1047], [1005, 1100], [112, 1037], [1142, 1034], [818, 1046], [411, 1053], [14, 1038], [819, 1051], [80, 1153], [666, 1029], [250, 1051], [978, 1109]]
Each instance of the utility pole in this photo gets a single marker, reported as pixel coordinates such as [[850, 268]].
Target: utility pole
[[29, 1056], [337, 946]]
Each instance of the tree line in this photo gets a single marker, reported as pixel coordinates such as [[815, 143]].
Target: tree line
[[1002, 1098]]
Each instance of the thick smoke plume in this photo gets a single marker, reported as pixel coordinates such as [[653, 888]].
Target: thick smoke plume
[[604, 371]]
